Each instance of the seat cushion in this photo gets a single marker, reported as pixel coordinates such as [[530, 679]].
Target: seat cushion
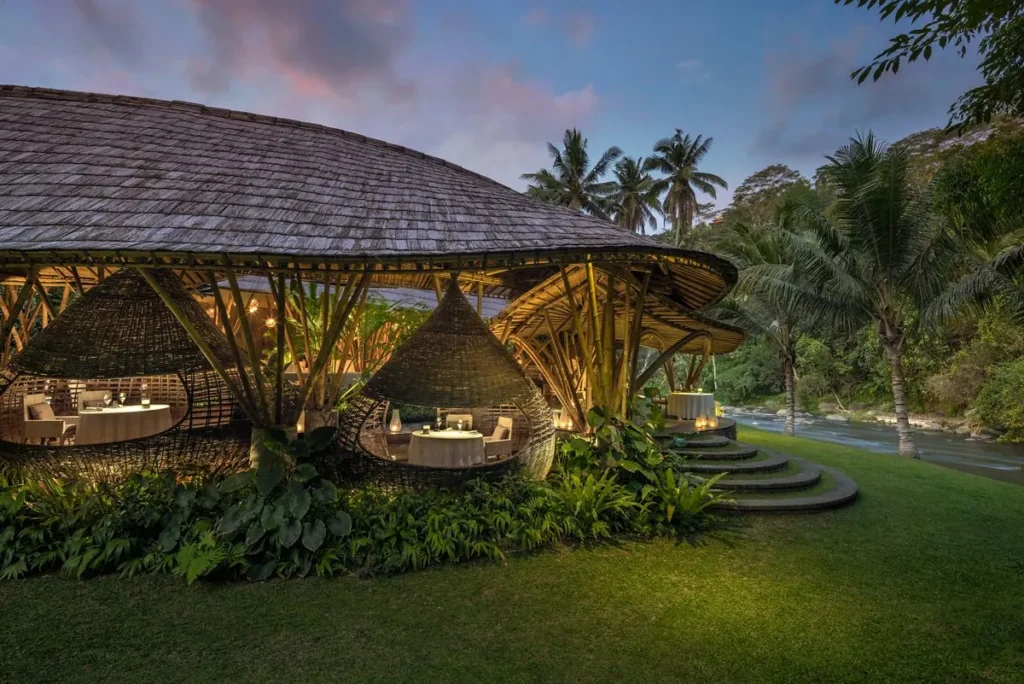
[[41, 412]]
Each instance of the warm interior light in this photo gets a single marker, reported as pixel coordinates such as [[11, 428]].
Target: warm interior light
[[271, 322], [254, 306], [210, 312]]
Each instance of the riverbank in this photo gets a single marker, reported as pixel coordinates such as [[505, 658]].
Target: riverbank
[[1004, 462], [965, 426]]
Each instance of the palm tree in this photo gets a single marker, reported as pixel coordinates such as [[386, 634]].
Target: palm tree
[[771, 298], [678, 158], [572, 182], [877, 252], [636, 196]]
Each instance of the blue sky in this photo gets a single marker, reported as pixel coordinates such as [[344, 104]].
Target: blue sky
[[486, 84]]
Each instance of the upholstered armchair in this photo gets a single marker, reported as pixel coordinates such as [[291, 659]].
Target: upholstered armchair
[[499, 442], [40, 422]]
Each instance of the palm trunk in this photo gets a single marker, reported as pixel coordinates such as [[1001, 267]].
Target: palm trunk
[[899, 395], [789, 372]]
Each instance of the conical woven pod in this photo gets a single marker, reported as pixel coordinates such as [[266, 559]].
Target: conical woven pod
[[115, 338], [452, 360]]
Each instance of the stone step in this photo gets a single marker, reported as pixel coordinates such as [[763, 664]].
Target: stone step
[[843, 492], [773, 462], [708, 442], [732, 451], [808, 476]]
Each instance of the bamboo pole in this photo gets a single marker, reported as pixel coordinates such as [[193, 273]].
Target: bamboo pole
[[19, 303], [47, 306], [668, 354], [563, 363], [331, 336], [279, 379], [480, 299], [218, 302], [637, 332], [247, 338], [255, 415], [588, 360]]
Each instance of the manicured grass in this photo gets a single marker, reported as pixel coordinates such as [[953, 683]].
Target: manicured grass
[[922, 579]]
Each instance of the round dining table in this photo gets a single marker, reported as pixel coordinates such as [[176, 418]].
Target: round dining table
[[690, 405], [121, 423], [446, 448]]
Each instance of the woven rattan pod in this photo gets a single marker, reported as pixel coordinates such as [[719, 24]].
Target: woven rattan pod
[[115, 339], [452, 360]]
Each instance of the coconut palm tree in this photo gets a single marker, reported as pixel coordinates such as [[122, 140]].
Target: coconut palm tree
[[877, 252], [636, 196], [572, 182], [678, 158], [771, 298]]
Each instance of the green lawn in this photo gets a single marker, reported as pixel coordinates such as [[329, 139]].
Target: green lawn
[[922, 579]]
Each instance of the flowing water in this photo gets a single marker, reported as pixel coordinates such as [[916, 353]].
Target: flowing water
[[997, 461]]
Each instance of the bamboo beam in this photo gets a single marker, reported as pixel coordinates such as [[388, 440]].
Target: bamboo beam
[[200, 342], [480, 299], [437, 287], [668, 354]]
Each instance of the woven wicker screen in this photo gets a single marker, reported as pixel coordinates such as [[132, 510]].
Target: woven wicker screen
[[452, 360], [113, 339]]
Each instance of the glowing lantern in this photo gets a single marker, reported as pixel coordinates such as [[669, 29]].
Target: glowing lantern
[[254, 306], [713, 421], [271, 322], [396, 421]]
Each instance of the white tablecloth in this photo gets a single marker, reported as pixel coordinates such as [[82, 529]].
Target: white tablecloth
[[446, 448], [121, 424], [691, 405]]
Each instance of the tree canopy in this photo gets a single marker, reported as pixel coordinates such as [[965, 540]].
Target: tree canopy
[[995, 27]]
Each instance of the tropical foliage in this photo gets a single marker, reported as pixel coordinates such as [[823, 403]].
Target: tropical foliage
[[994, 28], [283, 521], [572, 182], [636, 196], [679, 158]]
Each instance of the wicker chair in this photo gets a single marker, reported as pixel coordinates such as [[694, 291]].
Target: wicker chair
[[452, 360], [114, 338]]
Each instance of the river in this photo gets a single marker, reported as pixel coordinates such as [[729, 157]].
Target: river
[[1003, 462]]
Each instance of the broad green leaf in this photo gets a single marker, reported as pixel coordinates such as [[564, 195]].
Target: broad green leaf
[[269, 477], [260, 573], [289, 533], [340, 524], [326, 493], [298, 500], [235, 482], [254, 534], [272, 516], [320, 438], [313, 535], [231, 521], [304, 473]]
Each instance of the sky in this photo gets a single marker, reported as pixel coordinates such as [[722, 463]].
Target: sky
[[485, 84]]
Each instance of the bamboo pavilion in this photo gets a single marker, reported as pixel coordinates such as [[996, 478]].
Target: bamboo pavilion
[[93, 184]]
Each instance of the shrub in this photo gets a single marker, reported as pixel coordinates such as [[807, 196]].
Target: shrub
[[999, 401], [279, 521]]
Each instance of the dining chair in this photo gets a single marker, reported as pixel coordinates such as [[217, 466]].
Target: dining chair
[[499, 442], [40, 422]]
